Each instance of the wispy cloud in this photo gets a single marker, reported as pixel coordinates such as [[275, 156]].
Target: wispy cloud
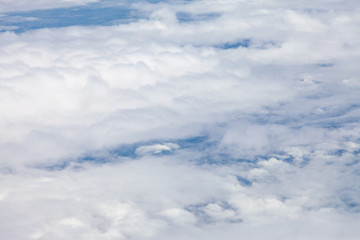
[[27, 5]]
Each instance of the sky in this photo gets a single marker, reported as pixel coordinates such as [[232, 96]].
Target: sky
[[181, 120]]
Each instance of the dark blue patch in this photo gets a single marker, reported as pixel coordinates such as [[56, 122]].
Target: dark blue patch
[[325, 65], [330, 125], [243, 160], [126, 150], [94, 159], [91, 15], [305, 162], [338, 152], [56, 167], [197, 210], [243, 181], [214, 158], [336, 124], [289, 159], [353, 163], [189, 17], [230, 45], [190, 142], [341, 110], [351, 204]]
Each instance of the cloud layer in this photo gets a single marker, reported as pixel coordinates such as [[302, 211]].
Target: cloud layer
[[27, 5], [204, 120]]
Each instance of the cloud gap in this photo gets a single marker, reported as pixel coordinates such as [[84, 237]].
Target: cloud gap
[[90, 15]]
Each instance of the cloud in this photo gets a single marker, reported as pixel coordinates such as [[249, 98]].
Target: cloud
[[26, 5], [8, 28], [240, 121], [156, 148]]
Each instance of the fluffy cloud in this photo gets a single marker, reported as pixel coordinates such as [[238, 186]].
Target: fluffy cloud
[[156, 148], [207, 119]]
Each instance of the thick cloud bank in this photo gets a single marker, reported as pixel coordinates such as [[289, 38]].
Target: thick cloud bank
[[203, 120]]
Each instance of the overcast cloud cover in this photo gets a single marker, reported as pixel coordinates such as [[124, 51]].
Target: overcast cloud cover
[[191, 120]]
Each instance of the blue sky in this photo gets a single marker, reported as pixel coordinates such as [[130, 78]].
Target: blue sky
[[179, 120], [93, 15], [103, 13]]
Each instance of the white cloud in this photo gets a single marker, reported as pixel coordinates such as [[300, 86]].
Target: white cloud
[[8, 28], [278, 120], [27, 5], [156, 148]]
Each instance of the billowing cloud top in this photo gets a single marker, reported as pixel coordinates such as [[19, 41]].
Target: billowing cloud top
[[179, 120]]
